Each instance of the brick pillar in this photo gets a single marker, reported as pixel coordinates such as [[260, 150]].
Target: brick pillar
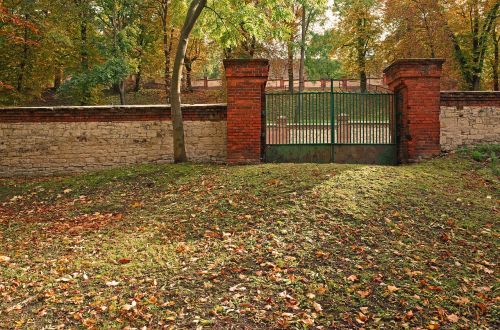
[[416, 82], [246, 83]]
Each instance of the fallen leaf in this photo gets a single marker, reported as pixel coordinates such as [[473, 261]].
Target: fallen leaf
[[4, 259], [112, 283], [124, 261], [462, 301], [352, 278], [363, 294], [392, 288], [453, 318], [317, 307], [130, 306]]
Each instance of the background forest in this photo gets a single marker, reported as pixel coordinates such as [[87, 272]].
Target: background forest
[[106, 51]]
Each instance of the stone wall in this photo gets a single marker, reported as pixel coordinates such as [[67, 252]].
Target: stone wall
[[47, 141], [469, 118]]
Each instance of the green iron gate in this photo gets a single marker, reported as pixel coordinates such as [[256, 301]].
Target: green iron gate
[[325, 127]]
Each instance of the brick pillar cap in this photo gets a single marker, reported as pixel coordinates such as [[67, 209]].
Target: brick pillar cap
[[239, 67], [233, 61], [414, 62], [413, 68]]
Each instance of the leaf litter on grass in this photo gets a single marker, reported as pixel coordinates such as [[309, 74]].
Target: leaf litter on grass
[[268, 246]]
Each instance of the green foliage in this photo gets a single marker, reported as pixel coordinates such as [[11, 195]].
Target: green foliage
[[487, 153], [237, 25], [319, 62], [86, 87]]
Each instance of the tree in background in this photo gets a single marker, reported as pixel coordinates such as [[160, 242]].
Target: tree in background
[[470, 41], [311, 12], [15, 32], [358, 34], [319, 61]]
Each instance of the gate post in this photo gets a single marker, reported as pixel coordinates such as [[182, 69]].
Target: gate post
[[246, 83], [416, 83]]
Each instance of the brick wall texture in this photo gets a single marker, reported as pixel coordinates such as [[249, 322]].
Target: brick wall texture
[[48, 141], [246, 82], [417, 85], [469, 118]]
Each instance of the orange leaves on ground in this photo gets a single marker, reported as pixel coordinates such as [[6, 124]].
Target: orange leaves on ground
[[85, 222]]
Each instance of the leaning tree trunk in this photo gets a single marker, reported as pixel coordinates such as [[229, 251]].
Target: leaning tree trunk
[[193, 13]]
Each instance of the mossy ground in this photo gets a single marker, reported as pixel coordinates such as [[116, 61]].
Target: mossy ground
[[267, 246]]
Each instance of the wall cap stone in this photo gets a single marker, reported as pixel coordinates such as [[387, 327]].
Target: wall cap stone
[[470, 98], [140, 106], [414, 62]]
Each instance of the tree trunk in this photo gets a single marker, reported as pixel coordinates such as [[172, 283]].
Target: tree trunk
[[290, 66], [84, 56], [24, 60], [121, 87], [361, 54], [194, 11], [138, 78], [58, 78], [188, 66], [302, 50], [167, 47], [495, 61]]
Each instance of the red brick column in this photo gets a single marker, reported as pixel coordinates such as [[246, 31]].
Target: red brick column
[[416, 83], [246, 83]]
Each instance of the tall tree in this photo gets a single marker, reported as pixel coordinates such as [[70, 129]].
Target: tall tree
[[359, 31], [311, 11], [470, 41]]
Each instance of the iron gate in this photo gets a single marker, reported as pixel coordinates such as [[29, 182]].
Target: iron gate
[[324, 127]]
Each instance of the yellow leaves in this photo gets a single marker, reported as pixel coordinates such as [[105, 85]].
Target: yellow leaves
[[392, 288], [433, 326], [137, 205]]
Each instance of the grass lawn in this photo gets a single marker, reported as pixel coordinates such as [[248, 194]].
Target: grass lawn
[[253, 247]]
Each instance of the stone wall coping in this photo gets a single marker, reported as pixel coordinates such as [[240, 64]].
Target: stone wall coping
[[110, 113], [479, 98], [141, 106]]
